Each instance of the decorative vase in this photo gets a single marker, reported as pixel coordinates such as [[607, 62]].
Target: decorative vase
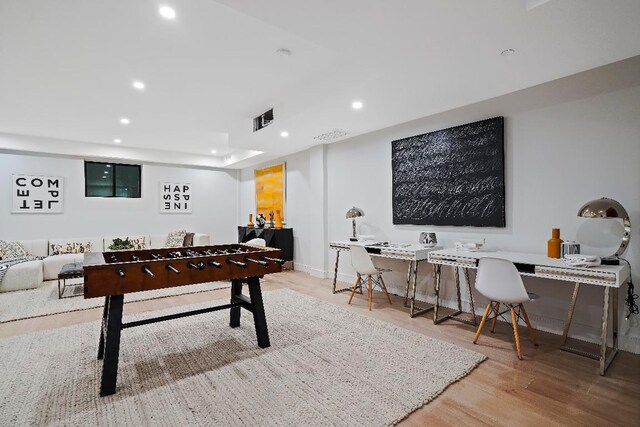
[[554, 243], [250, 223], [278, 219], [260, 220], [271, 222]]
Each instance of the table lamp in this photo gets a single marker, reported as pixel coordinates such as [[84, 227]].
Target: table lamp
[[352, 214], [609, 208]]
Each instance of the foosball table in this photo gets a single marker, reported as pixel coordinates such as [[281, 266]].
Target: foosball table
[[113, 274]]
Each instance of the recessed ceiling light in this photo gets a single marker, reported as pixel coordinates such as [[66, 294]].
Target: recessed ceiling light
[[110, 165], [284, 134], [507, 52], [214, 151], [357, 105], [117, 141], [106, 172], [167, 12], [138, 85], [125, 121]]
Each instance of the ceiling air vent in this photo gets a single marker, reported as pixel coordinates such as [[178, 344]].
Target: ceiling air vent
[[332, 135], [263, 120]]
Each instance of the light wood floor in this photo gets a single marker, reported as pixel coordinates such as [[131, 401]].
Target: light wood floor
[[548, 387]]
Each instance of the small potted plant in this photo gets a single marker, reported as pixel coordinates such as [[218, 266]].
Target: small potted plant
[[120, 245]]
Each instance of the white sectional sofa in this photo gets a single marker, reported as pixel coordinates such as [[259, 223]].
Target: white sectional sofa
[[32, 274], [27, 275]]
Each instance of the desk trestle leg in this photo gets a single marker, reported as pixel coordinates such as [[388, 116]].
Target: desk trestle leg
[[406, 293], [473, 308], [604, 359], [455, 314], [335, 277], [572, 306], [414, 310]]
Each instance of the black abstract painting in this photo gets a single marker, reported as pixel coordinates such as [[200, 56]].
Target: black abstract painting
[[452, 176]]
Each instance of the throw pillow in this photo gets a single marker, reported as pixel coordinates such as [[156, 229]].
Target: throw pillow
[[10, 250], [175, 239], [138, 243], [128, 243], [69, 248], [188, 239]]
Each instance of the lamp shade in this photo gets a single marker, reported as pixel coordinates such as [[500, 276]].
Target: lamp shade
[[609, 208], [354, 212], [603, 208]]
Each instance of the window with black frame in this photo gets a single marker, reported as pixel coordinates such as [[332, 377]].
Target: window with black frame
[[111, 180]]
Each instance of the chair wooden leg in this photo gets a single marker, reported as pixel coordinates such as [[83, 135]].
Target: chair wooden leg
[[484, 319], [370, 291], [385, 288], [532, 334], [514, 320], [496, 312], [355, 286]]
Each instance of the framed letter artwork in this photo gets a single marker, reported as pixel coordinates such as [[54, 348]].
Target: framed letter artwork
[[175, 197], [37, 194]]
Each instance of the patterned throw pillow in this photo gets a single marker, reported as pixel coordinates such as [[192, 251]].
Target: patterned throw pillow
[[175, 239], [138, 243], [188, 240], [10, 250], [128, 243], [69, 248]]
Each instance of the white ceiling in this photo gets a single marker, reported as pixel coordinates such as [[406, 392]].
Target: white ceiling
[[66, 67]]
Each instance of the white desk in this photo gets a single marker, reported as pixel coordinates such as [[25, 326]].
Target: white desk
[[610, 277], [413, 253]]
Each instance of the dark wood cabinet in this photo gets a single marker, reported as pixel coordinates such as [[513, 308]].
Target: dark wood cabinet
[[281, 238]]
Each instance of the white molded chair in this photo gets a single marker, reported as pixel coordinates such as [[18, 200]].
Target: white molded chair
[[499, 280], [256, 242], [361, 262]]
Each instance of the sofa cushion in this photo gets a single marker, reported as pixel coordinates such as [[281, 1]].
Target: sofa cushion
[[158, 241], [200, 239], [39, 247], [27, 275], [11, 249], [96, 244], [53, 264]]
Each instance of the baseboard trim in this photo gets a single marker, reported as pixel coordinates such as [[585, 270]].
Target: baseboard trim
[[317, 273], [301, 267], [310, 270]]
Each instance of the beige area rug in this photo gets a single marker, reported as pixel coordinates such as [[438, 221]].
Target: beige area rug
[[44, 300], [325, 366]]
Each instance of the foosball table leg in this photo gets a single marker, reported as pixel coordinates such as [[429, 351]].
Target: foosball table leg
[[258, 312], [113, 307], [236, 290], [102, 326]]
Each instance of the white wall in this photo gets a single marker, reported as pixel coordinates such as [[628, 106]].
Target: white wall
[[566, 142], [214, 193]]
